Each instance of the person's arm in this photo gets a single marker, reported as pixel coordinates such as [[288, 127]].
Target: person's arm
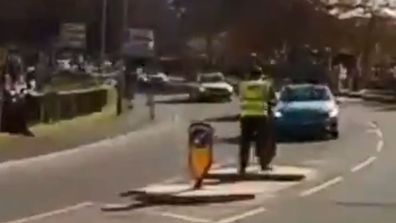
[[272, 96], [240, 90]]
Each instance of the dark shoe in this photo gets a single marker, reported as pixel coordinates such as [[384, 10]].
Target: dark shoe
[[28, 133], [267, 168], [242, 171]]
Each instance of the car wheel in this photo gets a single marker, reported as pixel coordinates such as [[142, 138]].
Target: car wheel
[[194, 97], [335, 134]]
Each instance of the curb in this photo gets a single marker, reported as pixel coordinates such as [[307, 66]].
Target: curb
[[169, 199], [385, 98], [189, 197], [257, 177], [350, 94], [379, 98], [142, 200]]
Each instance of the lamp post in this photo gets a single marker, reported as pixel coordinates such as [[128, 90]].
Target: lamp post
[[103, 32], [180, 12], [122, 69]]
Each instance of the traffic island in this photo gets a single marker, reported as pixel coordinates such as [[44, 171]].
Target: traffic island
[[279, 174], [222, 185]]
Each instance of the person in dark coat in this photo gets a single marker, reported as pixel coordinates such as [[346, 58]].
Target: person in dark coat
[[14, 117]]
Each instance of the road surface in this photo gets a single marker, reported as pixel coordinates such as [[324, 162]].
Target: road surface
[[352, 177]]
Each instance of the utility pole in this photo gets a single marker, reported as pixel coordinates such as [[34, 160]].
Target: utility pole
[[367, 50], [123, 70], [125, 6], [103, 32]]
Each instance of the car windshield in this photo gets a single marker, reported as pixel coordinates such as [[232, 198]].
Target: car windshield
[[306, 93], [211, 78]]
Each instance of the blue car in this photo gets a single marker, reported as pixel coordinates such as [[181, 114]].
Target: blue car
[[306, 110]]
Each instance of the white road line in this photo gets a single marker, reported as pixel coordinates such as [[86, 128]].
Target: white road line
[[363, 164], [84, 149], [171, 180], [184, 217], [52, 213], [179, 178], [379, 134], [380, 146], [372, 131], [175, 118], [239, 217], [321, 187], [373, 125]]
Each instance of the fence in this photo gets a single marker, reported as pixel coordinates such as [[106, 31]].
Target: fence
[[52, 107]]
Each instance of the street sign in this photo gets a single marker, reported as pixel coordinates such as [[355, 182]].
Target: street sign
[[200, 151], [73, 35], [139, 43]]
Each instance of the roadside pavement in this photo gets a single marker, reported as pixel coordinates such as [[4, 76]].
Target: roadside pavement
[[76, 132], [386, 96]]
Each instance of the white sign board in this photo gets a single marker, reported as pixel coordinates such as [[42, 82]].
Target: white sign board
[[73, 35], [139, 43]]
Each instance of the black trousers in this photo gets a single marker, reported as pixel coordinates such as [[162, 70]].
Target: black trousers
[[259, 130]]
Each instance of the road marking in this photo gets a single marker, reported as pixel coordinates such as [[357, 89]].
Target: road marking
[[363, 164], [379, 134], [52, 213], [321, 187], [380, 146], [372, 131], [373, 125], [179, 178], [184, 217], [239, 217], [175, 118], [88, 148]]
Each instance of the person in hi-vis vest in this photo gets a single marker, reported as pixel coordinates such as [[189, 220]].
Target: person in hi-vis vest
[[257, 96]]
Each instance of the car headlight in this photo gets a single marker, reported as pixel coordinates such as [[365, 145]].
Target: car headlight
[[333, 113], [230, 89], [278, 114]]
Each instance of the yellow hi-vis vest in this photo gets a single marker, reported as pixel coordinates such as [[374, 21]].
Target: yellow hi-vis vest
[[254, 98]]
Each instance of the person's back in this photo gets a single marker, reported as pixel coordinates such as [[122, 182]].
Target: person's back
[[255, 95]]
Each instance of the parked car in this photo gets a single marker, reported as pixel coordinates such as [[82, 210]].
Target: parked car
[[143, 78], [158, 78], [307, 109], [64, 64], [211, 87]]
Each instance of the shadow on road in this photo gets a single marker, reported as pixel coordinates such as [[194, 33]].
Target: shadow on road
[[380, 106], [175, 101], [367, 204], [233, 177], [227, 118], [301, 139], [281, 140]]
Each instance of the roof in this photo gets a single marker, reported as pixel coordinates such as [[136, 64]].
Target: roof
[[211, 74], [306, 85]]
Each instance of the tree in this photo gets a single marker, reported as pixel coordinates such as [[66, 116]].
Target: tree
[[370, 12]]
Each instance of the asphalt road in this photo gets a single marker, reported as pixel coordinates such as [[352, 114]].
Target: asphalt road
[[353, 179], [363, 193], [98, 172]]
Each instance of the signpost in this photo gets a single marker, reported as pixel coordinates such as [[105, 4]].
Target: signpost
[[3, 63], [139, 43], [200, 151], [73, 35]]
